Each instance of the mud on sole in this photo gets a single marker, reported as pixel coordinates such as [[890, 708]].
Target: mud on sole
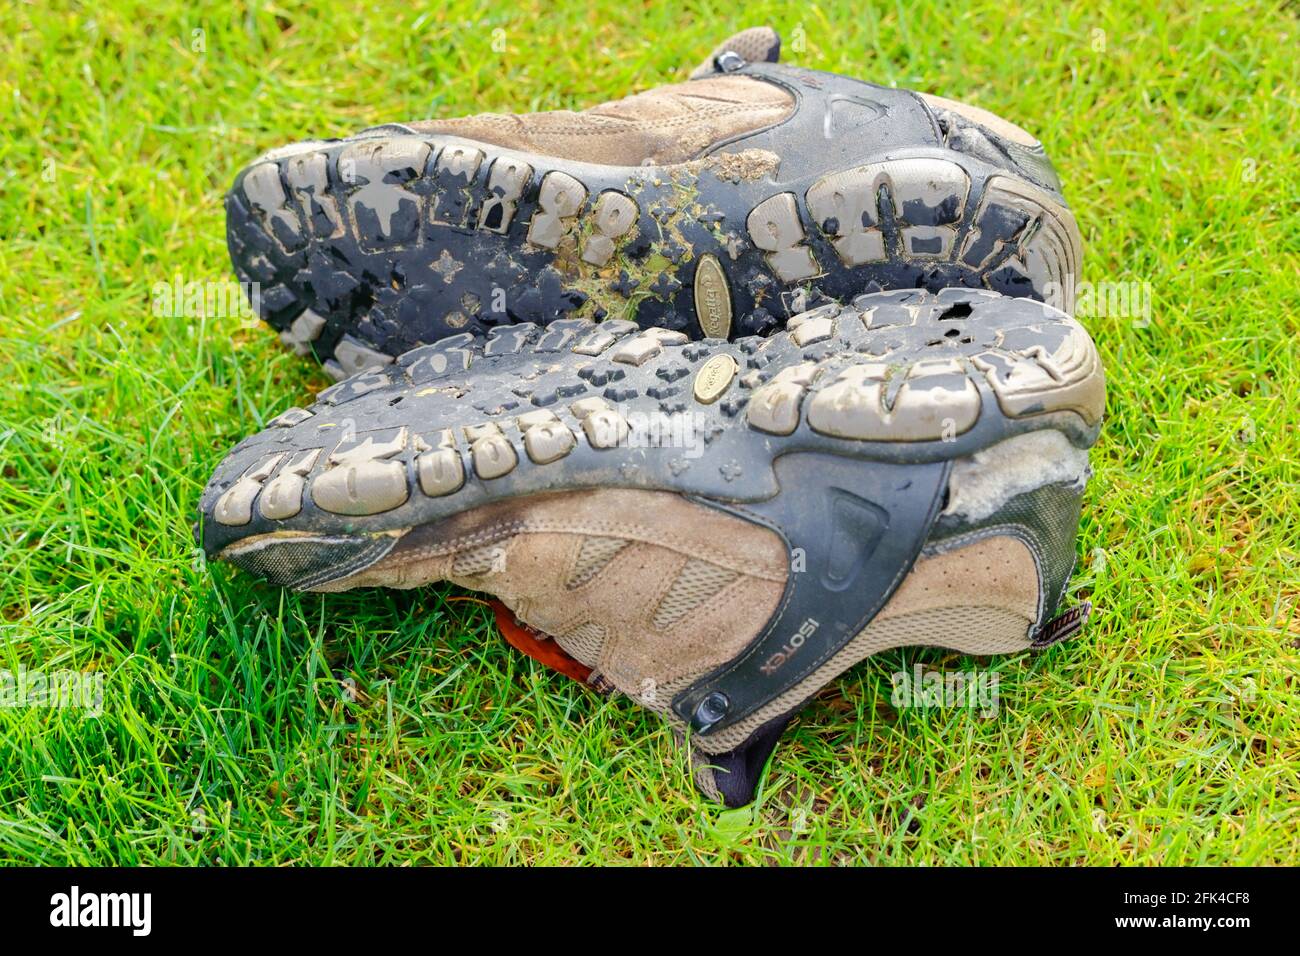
[[361, 249]]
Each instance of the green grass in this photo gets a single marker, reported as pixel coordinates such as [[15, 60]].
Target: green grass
[[230, 732]]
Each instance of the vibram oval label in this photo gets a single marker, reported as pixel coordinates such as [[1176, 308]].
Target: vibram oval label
[[712, 298], [713, 378]]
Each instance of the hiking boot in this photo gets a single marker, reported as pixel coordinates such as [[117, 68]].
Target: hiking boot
[[717, 208], [714, 529]]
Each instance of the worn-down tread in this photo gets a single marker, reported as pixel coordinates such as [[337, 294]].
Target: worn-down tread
[[902, 376], [366, 247]]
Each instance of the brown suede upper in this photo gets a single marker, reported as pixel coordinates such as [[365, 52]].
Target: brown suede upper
[[670, 124], [652, 590]]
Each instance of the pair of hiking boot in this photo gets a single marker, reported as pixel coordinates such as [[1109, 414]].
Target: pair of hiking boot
[[719, 388]]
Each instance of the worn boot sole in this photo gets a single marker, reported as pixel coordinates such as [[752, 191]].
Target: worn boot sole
[[361, 249], [902, 377]]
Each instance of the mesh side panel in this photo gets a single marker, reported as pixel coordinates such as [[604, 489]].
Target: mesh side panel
[[594, 554], [584, 642], [478, 560], [1049, 518], [697, 582], [305, 562], [969, 629]]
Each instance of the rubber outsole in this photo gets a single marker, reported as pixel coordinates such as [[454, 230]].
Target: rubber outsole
[[903, 377], [364, 248]]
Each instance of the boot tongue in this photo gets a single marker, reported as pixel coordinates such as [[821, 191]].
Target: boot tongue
[[755, 45]]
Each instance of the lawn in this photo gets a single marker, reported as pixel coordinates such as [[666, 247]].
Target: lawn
[[242, 725]]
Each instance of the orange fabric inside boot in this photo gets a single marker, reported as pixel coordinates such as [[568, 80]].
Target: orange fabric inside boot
[[537, 645]]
